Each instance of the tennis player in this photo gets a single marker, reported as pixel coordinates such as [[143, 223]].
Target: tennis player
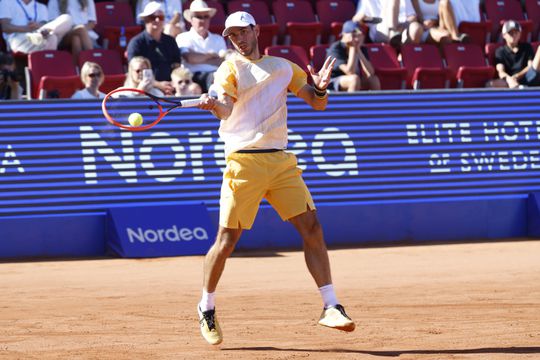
[[253, 112]]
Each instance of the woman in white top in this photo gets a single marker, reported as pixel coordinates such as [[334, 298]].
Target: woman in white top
[[135, 78], [427, 13], [92, 78], [83, 13]]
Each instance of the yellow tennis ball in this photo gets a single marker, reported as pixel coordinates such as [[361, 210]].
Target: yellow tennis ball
[[135, 119]]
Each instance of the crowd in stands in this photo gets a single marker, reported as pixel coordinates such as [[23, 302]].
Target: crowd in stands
[[173, 47]]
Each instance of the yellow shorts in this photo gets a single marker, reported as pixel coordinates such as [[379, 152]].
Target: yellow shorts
[[249, 178]]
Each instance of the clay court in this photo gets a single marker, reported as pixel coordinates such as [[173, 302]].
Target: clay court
[[458, 301]]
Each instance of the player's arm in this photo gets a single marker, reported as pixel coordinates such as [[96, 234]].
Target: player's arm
[[225, 84], [221, 107], [317, 96]]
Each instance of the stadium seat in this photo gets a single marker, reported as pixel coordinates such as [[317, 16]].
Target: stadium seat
[[384, 59], [498, 11], [424, 66], [298, 25], [467, 65], [293, 53], [259, 10], [479, 32], [115, 24], [532, 8], [51, 73], [318, 55], [111, 63], [490, 52], [332, 14]]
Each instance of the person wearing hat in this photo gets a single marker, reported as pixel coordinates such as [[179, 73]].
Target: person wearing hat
[[252, 106], [352, 66], [156, 46], [516, 62], [173, 15], [202, 51]]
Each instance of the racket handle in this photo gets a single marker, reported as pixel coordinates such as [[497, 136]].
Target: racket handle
[[190, 102]]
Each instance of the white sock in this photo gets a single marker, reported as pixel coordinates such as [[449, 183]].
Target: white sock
[[328, 295], [207, 301]]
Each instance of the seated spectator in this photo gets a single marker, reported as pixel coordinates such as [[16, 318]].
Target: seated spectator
[[92, 77], [25, 26], [427, 14], [10, 89], [83, 13], [398, 25], [351, 61], [516, 62], [202, 50], [159, 48], [137, 78], [182, 80], [454, 12], [174, 24]]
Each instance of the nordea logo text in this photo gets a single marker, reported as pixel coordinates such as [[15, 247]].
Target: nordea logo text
[[171, 234]]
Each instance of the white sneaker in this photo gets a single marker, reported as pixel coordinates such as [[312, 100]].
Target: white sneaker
[[335, 317]]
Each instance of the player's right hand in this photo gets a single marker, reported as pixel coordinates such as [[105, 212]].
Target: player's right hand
[[207, 102]]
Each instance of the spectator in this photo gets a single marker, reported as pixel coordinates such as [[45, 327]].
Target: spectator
[[427, 14], [159, 48], [351, 61], [398, 26], [137, 79], [83, 13], [173, 15], [516, 62], [454, 12], [25, 26], [92, 77], [202, 50], [182, 80], [10, 89]]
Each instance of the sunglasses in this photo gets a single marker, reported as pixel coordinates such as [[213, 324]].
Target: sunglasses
[[184, 81], [152, 18], [202, 17], [138, 71], [94, 75]]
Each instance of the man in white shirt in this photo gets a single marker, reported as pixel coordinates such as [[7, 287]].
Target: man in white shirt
[[202, 51], [25, 26]]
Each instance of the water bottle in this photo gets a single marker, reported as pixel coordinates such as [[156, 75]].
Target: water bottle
[[122, 40]]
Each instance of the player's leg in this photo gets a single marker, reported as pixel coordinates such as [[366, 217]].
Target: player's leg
[[290, 197]]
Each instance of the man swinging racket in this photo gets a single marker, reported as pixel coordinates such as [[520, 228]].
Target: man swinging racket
[[252, 107]]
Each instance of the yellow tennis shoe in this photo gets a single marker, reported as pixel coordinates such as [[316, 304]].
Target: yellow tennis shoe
[[210, 329], [335, 317]]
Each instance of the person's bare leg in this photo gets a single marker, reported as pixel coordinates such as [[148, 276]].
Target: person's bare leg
[[536, 60], [447, 19], [350, 83], [217, 255], [315, 252], [374, 83]]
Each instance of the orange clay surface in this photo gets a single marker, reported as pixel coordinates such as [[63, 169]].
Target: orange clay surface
[[460, 301]]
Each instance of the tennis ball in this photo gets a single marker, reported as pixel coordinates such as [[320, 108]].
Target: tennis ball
[[135, 119]]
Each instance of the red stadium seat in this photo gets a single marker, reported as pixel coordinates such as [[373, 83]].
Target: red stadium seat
[[318, 55], [293, 53], [467, 65], [383, 57], [479, 32], [115, 24], [532, 8], [299, 25], [498, 11], [51, 73], [111, 63], [332, 14], [259, 10], [424, 66]]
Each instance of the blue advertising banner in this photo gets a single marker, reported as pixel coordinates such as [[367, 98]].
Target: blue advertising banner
[[152, 231]]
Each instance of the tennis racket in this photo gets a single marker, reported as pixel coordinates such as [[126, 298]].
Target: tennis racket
[[117, 107]]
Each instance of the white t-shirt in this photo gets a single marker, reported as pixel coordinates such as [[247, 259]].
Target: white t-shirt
[[382, 9], [15, 10], [466, 10], [85, 94], [79, 16], [192, 41], [429, 11], [169, 7]]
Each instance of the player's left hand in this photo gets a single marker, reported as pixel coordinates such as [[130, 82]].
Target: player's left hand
[[321, 79]]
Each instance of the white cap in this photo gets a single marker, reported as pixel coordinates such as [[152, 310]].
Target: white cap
[[238, 19], [151, 8]]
